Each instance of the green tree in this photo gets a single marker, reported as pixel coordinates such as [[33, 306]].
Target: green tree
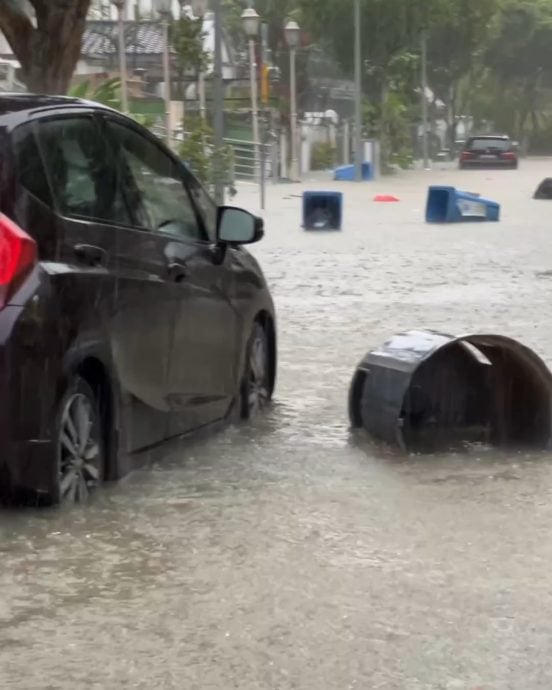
[[456, 40], [206, 162], [389, 28], [391, 33], [186, 36], [232, 10], [49, 47], [518, 61], [107, 92]]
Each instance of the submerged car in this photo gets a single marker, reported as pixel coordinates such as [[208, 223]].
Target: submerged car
[[489, 152], [130, 312]]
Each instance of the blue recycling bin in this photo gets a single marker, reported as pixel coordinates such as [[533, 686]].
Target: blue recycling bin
[[322, 210], [448, 205], [346, 173]]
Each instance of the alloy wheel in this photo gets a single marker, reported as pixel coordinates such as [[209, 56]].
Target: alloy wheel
[[79, 450], [258, 376]]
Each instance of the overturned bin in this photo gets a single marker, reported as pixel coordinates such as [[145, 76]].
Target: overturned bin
[[544, 190], [449, 205], [426, 391]]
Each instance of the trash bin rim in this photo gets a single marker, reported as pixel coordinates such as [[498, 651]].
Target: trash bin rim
[[309, 194], [384, 355]]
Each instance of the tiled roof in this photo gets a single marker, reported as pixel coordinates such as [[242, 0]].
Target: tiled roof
[[144, 43], [142, 38]]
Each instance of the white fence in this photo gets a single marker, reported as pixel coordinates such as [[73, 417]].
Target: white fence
[[246, 159]]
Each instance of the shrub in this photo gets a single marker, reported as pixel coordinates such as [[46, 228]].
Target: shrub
[[323, 156], [204, 161]]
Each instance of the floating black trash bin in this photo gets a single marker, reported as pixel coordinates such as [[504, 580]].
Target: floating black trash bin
[[544, 190], [322, 210], [426, 391]]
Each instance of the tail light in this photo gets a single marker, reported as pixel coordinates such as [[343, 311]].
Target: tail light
[[509, 156], [18, 256], [466, 155]]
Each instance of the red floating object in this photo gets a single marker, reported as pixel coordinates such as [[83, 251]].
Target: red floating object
[[386, 197]]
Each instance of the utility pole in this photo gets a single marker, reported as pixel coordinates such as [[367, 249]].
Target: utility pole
[[167, 77], [263, 130], [218, 102], [121, 7], [358, 94], [293, 37], [425, 143]]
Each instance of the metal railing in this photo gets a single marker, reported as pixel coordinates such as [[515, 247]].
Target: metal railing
[[248, 159], [245, 157]]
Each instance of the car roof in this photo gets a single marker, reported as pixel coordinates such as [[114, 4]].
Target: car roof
[[490, 136], [27, 102]]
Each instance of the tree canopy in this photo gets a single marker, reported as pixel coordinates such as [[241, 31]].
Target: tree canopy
[[489, 60]]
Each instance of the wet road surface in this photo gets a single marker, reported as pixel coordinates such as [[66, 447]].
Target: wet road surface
[[289, 554]]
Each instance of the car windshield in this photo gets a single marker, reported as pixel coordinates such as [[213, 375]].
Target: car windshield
[[485, 143]]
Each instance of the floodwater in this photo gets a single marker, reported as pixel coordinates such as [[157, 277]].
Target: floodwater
[[289, 554]]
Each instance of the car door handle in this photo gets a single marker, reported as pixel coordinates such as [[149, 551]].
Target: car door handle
[[90, 255], [177, 271]]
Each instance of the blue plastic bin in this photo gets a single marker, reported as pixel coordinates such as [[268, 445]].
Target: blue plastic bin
[[346, 173], [322, 210], [448, 205]]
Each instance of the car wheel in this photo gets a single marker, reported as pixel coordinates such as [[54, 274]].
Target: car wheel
[[80, 455], [255, 392]]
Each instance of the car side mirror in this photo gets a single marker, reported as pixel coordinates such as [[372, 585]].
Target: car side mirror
[[237, 226]]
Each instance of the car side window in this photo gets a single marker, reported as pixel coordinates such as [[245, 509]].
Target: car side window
[[206, 205], [82, 175], [31, 173], [166, 203]]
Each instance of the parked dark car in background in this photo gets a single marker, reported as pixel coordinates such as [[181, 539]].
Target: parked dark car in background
[[489, 152], [129, 311]]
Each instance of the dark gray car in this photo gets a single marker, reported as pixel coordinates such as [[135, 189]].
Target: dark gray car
[[130, 312], [489, 152]]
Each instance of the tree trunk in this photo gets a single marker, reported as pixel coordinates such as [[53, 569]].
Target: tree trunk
[[451, 134], [48, 52], [534, 100]]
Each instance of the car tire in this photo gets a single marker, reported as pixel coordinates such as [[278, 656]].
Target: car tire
[[255, 391], [79, 465]]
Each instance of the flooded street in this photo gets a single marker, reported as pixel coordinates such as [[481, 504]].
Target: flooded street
[[289, 554]]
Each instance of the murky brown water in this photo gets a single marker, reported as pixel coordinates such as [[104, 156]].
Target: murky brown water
[[289, 554]]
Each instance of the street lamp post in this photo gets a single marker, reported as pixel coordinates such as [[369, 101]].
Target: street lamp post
[[218, 98], [251, 22], [358, 94], [425, 143], [293, 32], [163, 8], [120, 5]]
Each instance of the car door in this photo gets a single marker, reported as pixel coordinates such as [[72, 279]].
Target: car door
[[120, 291], [203, 360]]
